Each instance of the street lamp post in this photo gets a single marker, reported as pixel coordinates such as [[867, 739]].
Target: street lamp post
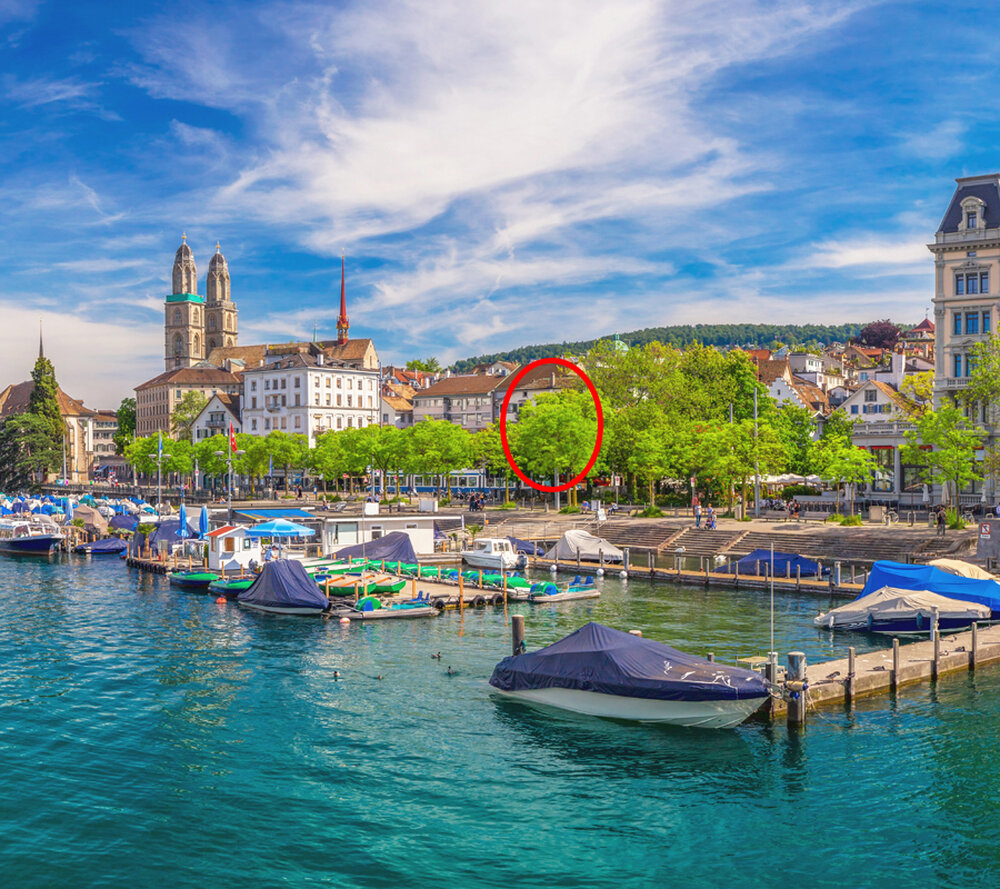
[[229, 466]]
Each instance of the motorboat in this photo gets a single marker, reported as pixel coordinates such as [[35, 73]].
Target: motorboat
[[600, 671], [25, 537], [193, 580], [106, 547], [903, 612], [495, 553]]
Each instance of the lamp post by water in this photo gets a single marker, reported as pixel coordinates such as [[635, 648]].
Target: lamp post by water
[[229, 466]]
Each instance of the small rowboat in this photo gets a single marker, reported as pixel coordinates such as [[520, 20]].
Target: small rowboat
[[550, 593], [370, 608], [364, 583], [193, 580]]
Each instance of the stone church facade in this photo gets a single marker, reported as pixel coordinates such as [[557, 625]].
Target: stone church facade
[[194, 325]]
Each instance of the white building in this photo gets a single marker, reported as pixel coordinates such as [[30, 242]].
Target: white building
[[308, 394], [351, 530], [216, 417]]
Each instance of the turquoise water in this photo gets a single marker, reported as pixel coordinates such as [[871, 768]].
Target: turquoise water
[[153, 738]]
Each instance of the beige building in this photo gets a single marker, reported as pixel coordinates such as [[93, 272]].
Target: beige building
[[466, 401], [156, 399]]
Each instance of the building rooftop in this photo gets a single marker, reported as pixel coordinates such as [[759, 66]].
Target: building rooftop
[[192, 376], [14, 400]]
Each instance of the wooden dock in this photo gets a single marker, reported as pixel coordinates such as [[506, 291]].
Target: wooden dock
[[709, 578]]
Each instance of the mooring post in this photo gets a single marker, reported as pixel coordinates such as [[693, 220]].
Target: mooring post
[[600, 557], [851, 664], [711, 656], [708, 567], [649, 560], [517, 633], [894, 684], [936, 639], [852, 572], [835, 576], [625, 558], [461, 592], [736, 574], [974, 653], [797, 686], [480, 578], [578, 558], [701, 563], [788, 570], [798, 576]]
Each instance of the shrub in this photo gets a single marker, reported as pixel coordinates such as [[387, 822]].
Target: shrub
[[508, 505], [836, 518], [569, 510], [145, 529], [954, 520], [850, 520], [78, 523], [444, 501], [651, 512]]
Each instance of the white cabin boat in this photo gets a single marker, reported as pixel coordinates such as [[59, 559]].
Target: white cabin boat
[[492, 552]]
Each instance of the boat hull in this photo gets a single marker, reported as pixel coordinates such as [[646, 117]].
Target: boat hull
[[490, 561], [565, 596], [40, 545], [906, 627], [690, 714], [280, 609], [390, 613]]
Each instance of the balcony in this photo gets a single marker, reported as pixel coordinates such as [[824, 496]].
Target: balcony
[[953, 383]]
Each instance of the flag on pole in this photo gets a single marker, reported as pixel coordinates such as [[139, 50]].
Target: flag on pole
[[270, 465], [232, 438], [159, 447]]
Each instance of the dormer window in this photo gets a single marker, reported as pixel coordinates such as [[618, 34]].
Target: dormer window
[[973, 214]]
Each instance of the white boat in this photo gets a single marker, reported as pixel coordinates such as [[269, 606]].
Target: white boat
[[598, 671], [492, 552], [568, 594], [692, 714], [28, 537]]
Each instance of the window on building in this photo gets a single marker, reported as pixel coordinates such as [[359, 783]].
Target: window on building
[[986, 322], [284, 401], [327, 400], [267, 383], [340, 423], [348, 400], [253, 402], [984, 282], [350, 422], [970, 365], [958, 366], [284, 422], [298, 382], [871, 395], [972, 219], [284, 383], [253, 424], [298, 422], [339, 399], [298, 399], [267, 423], [885, 469], [959, 285], [972, 322], [956, 323]]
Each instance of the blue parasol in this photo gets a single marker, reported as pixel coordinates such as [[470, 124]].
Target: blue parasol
[[203, 522], [182, 517]]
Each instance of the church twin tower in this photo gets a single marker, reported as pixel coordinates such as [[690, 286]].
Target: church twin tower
[[195, 325]]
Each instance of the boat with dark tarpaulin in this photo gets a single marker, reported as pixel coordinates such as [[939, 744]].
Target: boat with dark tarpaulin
[[599, 671]]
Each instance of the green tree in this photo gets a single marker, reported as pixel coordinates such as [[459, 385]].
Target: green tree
[[438, 447], [796, 426], [328, 457], [27, 451], [556, 435], [918, 390], [185, 413], [178, 456], [427, 365], [944, 443], [733, 452], [126, 425], [841, 462], [44, 399]]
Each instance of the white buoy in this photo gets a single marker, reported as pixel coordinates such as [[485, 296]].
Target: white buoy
[[600, 572], [623, 575], [552, 569]]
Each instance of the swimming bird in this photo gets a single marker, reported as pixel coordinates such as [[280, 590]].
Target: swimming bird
[[450, 671], [437, 656], [336, 674]]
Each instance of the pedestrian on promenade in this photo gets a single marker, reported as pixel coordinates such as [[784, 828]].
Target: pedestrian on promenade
[[709, 518], [941, 520], [697, 511]]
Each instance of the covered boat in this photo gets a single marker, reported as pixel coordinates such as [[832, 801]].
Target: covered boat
[[962, 569], [604, 672], [926, 577], [284, 587], [759, 562], [106, 547], [394, 547], [589, 547], [526, 547], [892, 610]]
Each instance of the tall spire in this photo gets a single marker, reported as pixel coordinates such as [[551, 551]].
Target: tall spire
[[343, 326], [41, 351]]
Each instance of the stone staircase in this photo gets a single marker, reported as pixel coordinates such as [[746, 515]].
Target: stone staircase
[[652, 535], [858, 545], [700, 542]]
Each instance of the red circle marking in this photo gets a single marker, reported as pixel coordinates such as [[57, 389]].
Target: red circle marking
[[562, 362]]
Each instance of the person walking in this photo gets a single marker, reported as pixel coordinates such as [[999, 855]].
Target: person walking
[[709, 518], [941, 521], [697, 511]]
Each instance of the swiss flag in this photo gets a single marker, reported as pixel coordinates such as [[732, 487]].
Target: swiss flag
[[232, 439]]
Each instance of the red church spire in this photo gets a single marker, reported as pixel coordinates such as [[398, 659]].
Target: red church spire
[[343, 325]]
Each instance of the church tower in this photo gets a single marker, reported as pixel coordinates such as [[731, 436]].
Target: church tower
[[343, 325], [184, 313], [220, 310]]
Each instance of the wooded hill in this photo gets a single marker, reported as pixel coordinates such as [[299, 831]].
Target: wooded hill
[[682, 335]]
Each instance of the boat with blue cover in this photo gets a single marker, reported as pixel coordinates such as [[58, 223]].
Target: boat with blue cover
[[600, 671], [106, 547], [284, 587]]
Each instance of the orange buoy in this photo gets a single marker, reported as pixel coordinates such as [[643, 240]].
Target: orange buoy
[[345, 620], [221, 600]]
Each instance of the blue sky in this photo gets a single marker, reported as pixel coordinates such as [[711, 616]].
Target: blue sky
[[497, 173]]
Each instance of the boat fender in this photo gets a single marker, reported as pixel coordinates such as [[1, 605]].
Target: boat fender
[[221, 600], [553, 569], [345, 620], [478, 602], [497, 599], [439, 603], [600, 572], [623, 575]]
